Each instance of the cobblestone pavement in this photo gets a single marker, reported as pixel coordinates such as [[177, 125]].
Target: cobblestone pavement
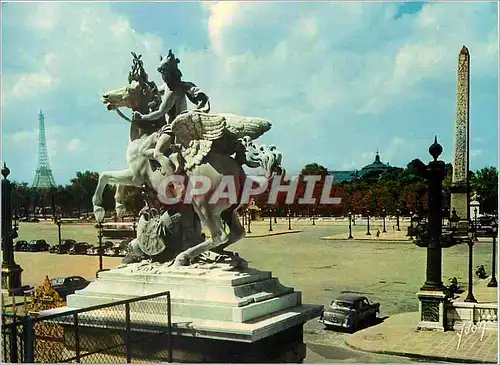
[[397, 336]]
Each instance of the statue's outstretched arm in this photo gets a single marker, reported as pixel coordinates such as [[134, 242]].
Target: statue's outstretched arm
[[166, 104]]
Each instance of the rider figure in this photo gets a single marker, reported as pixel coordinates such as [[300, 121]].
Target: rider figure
[[173, 103]]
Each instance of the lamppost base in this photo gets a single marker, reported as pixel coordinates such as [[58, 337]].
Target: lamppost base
[[368, 234], [493, 283], [11, 278], [350, 237], [433, 287], [470, 298], [384, 231], [432, 310]]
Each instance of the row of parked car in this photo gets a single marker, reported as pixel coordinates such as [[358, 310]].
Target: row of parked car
[[72, 247]]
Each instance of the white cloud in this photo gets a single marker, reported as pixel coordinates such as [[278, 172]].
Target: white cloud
[[75, 145], [338, 80], [25, 136]]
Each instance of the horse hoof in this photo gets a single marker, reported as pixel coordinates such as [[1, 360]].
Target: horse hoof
[[99, 214], [181, 260]]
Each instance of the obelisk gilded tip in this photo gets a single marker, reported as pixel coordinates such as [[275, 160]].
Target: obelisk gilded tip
[[464, 50]]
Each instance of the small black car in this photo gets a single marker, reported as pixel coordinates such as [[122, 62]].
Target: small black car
[[349, 310], [67, 285], [79, 248], [37, 246], [64, 247], [21, 245]]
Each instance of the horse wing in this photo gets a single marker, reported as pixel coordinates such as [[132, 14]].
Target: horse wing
[[240, 126], [195, 125]]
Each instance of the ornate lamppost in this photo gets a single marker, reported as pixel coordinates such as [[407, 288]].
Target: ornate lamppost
[[434, 172], [471, 233], [270, 220], [289, 219], [493, 282], [11, 271], [275, 219], [475, 223], [313, 214], [383, 217], [99, 239], [248, 220], [432, 296], [350, 228], [397, 218], [368, 223]]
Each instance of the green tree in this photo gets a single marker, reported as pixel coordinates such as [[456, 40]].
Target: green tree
[[314, 169], [485, 183]]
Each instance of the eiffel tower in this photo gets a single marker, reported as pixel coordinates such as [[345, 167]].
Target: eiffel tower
[[43, 174]]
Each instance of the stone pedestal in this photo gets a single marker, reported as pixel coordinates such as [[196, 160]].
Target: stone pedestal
[[432, 311], [217, 315], [11, 279]]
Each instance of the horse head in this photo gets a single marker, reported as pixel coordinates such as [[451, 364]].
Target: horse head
[[134, 96], [137, 95]]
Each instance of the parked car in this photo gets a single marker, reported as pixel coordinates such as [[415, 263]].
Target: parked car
[[349, 311], [21, 245], [68, 284], [117, 249], [79, 248], [64, 247], [37, 246]]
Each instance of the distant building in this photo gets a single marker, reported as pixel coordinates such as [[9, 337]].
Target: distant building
[[371, 172], [375, 170], [343, 176]]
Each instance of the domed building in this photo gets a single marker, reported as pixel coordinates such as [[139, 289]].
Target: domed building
[[374, 171], [371, 172]]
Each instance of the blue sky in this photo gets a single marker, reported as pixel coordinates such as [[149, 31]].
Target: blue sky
[[337, 80]]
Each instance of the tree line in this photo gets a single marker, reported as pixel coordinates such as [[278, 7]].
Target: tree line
[[400, 189]]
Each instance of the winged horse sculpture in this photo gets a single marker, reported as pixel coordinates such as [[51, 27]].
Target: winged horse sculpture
[[211, 146]]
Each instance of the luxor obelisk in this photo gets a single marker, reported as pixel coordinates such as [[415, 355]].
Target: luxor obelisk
[[460, 188]]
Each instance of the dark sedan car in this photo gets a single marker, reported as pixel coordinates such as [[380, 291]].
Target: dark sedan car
[[37, 246], [64, 247], [67, 285], [349, 311], [79, 248], [21, 245]]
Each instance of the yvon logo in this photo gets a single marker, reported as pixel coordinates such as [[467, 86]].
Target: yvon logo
[[470, 328]]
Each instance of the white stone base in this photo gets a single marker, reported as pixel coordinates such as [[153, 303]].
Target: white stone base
[[243, 306]]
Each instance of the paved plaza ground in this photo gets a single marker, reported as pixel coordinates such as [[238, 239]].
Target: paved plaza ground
[[388, 272]]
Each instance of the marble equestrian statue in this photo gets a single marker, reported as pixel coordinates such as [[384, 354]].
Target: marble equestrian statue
[[212, 146]]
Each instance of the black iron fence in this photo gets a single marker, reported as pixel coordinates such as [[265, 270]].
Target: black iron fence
[[138, 329]]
